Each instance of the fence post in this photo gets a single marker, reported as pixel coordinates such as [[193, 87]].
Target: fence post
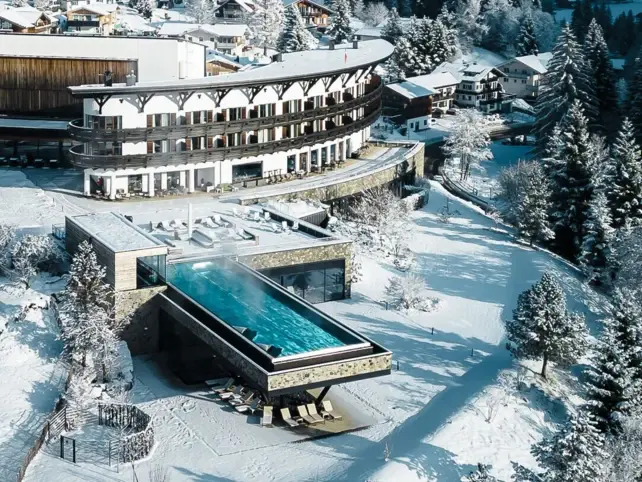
[[62, 447], [73, 446]]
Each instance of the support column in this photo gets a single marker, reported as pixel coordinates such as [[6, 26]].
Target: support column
[[110, 184], [164, 180], [323, 393], [190, 180], [145, 183], [87, 186], [181, 178], [150, 184]]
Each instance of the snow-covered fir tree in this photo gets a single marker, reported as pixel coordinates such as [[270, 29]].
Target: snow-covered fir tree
[[374, 14], [596, 54], [625, 179], [294, 37], [541, 326], [266, 21], [468, 143], [200, 10], [479, 475], [527, 42], [146, 9], [626, 319], [394, 72], [572, 183], [634, 103], [470, 25], [86, 286], [596, 257], [574, 454], [359, 9], [566, 81], [392, 30], [339, 29], [624, 449], [533, 208], [501, 22], [613, 389]]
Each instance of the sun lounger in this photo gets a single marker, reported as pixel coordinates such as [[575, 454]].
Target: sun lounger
[[275, 228], [236, 393], [178, 224], [312, 410], [209, 223], [303, 413], [225, 387], [219, 221], [328, 411], [295, 226], [284, 227], [252, 407], [266, 420], [166, 226], [242, 400], [287, 418], [266, 216], [236, 213], [257, 217]]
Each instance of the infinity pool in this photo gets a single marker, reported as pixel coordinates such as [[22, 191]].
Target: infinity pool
[[244, 301]]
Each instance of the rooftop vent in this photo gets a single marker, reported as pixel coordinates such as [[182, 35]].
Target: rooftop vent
[[355, 43], [331, 44], [108, 79], [130, 79]]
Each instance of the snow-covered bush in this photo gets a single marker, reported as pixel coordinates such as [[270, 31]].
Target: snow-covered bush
[[374, 14], [623, 462], [512, 180], [541, 326], [31, 254], [468, 143], [409, 293], [7, 236]]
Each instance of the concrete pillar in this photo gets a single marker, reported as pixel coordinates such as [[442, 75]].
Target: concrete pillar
[[87, 185], [181, 178], [150, 184], [145, 182], [110, 186], [190, 180], [163, 180]]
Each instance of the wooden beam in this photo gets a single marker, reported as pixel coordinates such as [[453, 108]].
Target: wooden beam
[[143, 99], [282, 88], [101, 100]]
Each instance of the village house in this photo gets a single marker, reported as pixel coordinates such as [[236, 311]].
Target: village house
[[93, 18], [217, 64], [314, 14], [234, 9], [415, 100], [228, 38], [522, 76], [27, 20]]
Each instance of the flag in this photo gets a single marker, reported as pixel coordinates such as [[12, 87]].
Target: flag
[[345, 57]]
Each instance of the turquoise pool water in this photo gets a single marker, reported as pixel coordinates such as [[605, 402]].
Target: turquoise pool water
[[242, 300]]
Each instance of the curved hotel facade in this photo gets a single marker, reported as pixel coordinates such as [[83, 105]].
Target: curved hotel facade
[[302, 112]]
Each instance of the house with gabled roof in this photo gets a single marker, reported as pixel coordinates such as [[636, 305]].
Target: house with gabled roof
[[26, 20], [314, 14], [93, 18], [522, 76]]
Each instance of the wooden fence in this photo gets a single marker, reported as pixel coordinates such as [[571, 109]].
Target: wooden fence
[[137, 444]]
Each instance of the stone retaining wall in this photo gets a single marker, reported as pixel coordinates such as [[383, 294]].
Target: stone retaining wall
[[141, 332]]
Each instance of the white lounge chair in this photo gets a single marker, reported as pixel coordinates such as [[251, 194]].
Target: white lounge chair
[[266, 216], [166, 226], [303, 413], [275, 227], [287, 418], [209, 223], [216, 382], [328, 411], [177, 224], [236, 213], [257, 217], [312, 410], [225, 387], [242, 400], [295, 226], [285, 227], [252, 407], [246, 211], [218, 220], [266, 420], [237, 392]]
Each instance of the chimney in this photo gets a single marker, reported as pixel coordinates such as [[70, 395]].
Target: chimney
[[279, 57], [130, 79], [107, 79], [355, 43], [331, 45]]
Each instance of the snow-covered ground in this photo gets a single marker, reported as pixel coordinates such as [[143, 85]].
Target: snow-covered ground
[[32, 378], [430, 413], [21, 202]]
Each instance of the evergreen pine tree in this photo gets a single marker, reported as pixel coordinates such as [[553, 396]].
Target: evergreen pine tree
[[567, 80], [394, 73], [294, 36], [358, 9], [624, 185], [634, 103], [392, 30], [526, 42], [598, 240], [339, 29], [614, 385], [572, 183], [542, 327], [480, 475], [626, 317], [533, 207], [574, 454], [596, 55], [266, 21]]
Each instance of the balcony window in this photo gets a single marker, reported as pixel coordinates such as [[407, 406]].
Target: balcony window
[[155, 147], [236, 114], [105, 148], [267, 110], [99, 122]]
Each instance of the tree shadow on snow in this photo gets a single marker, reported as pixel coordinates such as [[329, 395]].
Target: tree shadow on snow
[[189, 475]]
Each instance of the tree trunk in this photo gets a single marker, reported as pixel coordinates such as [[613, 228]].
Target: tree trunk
[[544, 364], [532, 240]]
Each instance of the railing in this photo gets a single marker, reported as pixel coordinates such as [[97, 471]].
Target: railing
[[84, 134], [80, 159]]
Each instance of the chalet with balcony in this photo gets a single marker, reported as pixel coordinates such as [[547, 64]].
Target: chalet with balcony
[[315, 15], [94, 18], [217, 64], [228, 38], [234, 9], [522, 76], [26, 20], [416, 99]]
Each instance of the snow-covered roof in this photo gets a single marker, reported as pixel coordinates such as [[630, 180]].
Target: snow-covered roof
[[116, 232], [93, 8], [309, 63], [423, 85], [247, 5], [319, 4], [222, 29], [618, 64], [135, 23], [18, 18], [213, 56], [369, 32], [537, 62]]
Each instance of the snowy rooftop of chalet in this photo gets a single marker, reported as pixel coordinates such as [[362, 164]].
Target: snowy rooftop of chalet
[[116, 232], [423, 85], [297, 64], [219, 29], [538, 62]]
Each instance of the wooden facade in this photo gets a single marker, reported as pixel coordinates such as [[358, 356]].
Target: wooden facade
[[30, 85]]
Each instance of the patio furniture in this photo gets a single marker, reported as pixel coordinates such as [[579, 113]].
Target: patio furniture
[[236, 393], [266, 420], [209, 223], [328, 411], [266, 216], [312, 410], [284, 227], [274, 227], [178, 224], [219, 221], [287, 418], [242, 400], [253, 407], [216, 382], [236, 213], [257, 217], [225, 387], [245, 236], [295, 226], [166, 226], [303, 413]]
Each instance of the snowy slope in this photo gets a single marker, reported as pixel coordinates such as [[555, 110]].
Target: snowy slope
[[428, 410]]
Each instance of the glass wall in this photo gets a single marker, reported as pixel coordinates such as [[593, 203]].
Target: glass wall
[[315, 282], [150, 271]]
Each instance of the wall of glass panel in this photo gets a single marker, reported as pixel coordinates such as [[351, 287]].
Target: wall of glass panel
[[150, 271], [315, 282]]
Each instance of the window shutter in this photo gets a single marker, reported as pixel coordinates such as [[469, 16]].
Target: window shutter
[[210, 116], [150, 147], [210, 142], [172, 119], [188, 144], [150, 120]]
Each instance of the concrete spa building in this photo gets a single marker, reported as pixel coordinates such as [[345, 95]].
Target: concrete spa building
[[304, 111]]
